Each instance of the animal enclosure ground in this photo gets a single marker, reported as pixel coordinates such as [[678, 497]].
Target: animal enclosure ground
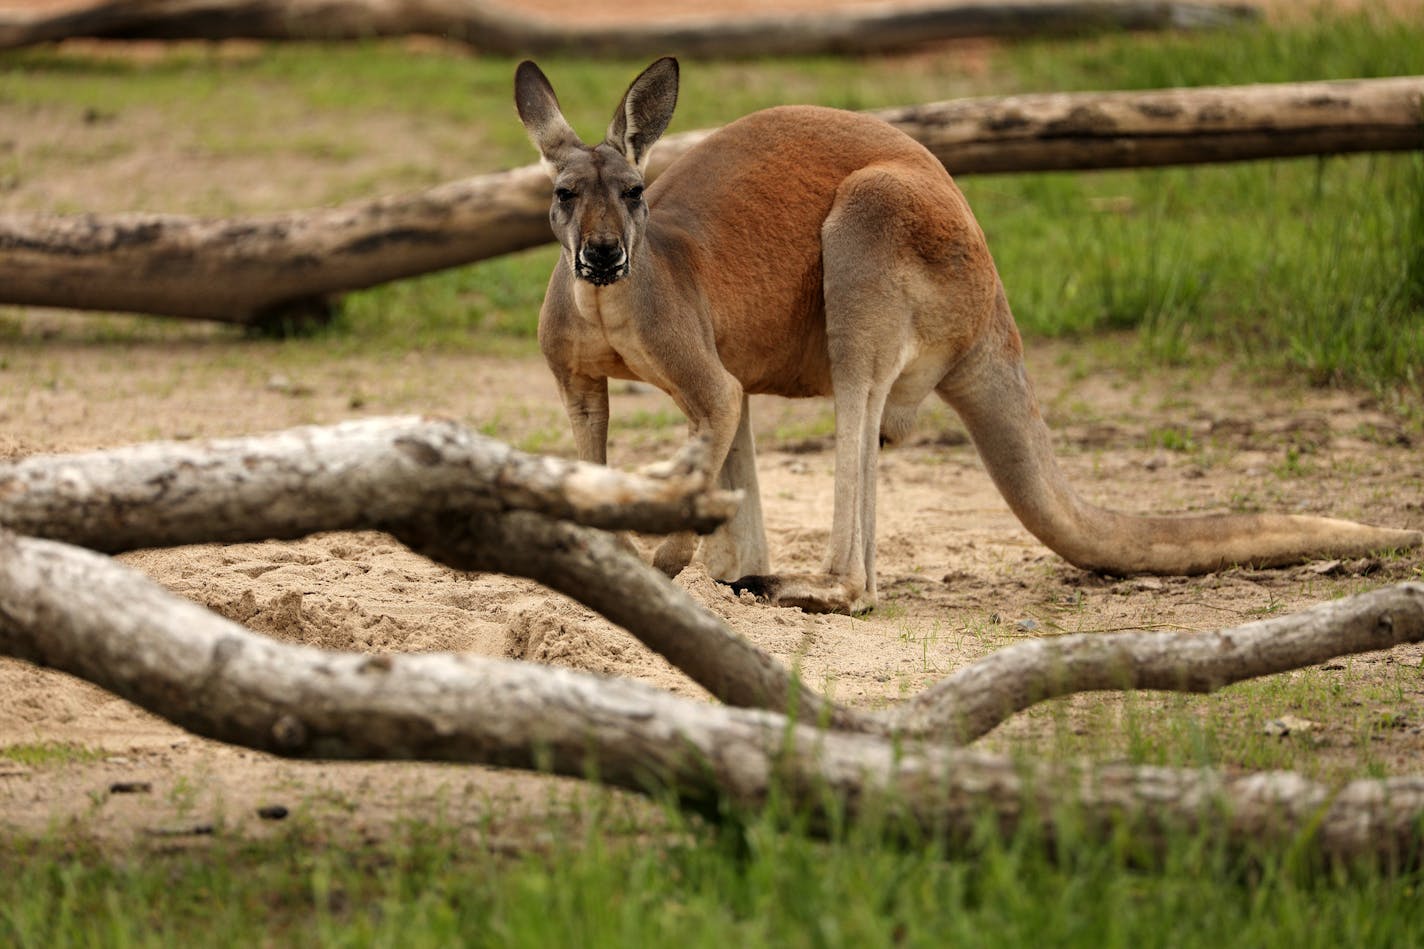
[[959, 576]]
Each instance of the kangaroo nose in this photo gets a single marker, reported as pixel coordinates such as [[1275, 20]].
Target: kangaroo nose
[[603, 255]]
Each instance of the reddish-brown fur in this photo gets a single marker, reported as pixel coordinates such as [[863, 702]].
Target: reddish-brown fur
[[804, 251]]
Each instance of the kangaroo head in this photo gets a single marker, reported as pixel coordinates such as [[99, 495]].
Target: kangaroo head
[[598, 213]]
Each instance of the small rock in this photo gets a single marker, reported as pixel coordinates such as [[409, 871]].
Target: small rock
[[131, 787], [272, 812], [1326, 568], [1286, 724], [1026, 625]]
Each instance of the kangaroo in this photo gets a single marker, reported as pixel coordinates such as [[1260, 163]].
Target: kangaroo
[[806, 251]]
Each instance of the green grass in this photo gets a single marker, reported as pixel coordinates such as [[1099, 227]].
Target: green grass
[[48, 753], [765, 884], [1308, 267], [1351, 736]]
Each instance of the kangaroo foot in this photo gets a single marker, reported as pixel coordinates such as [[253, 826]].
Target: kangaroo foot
[[812, 592]]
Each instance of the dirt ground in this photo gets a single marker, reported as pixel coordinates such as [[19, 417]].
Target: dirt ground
[[959, 575]]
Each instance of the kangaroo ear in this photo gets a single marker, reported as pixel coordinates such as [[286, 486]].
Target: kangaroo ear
[[539, 111], [645, 112]]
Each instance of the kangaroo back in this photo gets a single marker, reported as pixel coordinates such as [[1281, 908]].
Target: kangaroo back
[[805, 251]]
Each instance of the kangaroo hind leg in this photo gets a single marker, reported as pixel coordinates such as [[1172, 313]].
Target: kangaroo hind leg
[[869, 331]]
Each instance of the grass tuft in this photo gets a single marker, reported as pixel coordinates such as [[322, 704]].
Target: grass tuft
[[44, 754]]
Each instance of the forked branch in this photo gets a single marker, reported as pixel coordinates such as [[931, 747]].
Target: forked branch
[[82, 613], [367, 474], [973, 700], [457, 497], [474, 504]]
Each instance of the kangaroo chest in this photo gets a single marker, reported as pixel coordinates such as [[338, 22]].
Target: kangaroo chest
[[613, 342]]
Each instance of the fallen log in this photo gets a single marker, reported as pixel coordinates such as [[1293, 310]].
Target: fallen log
[[268, 269], [80, 612], [356, 475], [1075, 131], [499, 29], [263, 269], [473, 504]]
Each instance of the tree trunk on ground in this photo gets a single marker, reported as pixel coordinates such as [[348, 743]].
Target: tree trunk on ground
[[474, 504], [498, 29], [1083, 130], [268, 268], [365, 474], [80, 612]]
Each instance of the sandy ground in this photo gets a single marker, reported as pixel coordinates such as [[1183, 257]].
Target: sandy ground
[[959, 576]]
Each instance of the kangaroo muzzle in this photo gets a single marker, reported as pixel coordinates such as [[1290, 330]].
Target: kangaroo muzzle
[[601, 262]]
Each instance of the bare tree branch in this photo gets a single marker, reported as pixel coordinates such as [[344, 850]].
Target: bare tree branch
[[364, 474], [457, 497], [80, 612], [255, 270], [263, 269], [601, 573], [1071, 131], [472, 503], [973, 700], [499, 29]]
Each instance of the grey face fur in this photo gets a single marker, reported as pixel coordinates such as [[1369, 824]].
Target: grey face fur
[[598, 212]]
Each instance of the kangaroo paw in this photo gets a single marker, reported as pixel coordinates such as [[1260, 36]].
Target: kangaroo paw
[[812, 592]]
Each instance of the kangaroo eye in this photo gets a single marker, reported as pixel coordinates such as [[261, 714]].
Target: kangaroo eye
[[634, 194], [565, 195]]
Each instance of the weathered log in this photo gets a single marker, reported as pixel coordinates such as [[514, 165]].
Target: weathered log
[[268, 268], [364, 474], [972, 701], [257, 269], [496, 28], [80, 612], [473, 504], [452, 495], [1072, 131]]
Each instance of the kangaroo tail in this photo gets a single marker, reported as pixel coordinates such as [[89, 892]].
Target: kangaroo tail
[[990, 391]]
